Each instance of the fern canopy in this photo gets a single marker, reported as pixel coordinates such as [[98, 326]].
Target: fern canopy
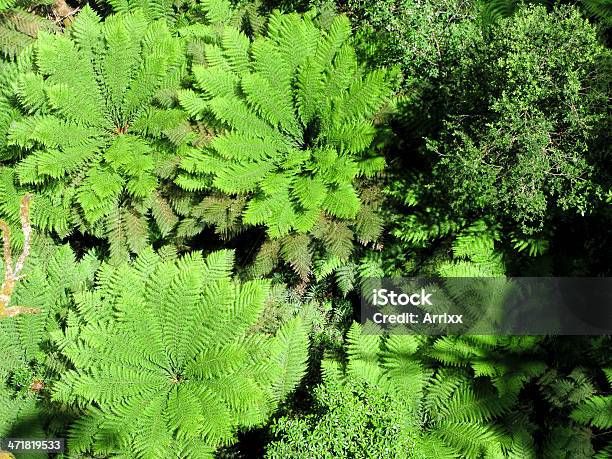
[[295, 114], [29, 362], [165, 362], [294, 119], [93, 122], [444, 413], [51, 277]]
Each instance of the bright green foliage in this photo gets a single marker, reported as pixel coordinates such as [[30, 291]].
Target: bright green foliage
[[212, 124], [152, 9], [19, 26], [364, 421], [244, 15], [295, 118], [21, 416], [189, 15], [165, 362], [601, 10], [596, 410], [51, 276], [462, 416], [96, 128], [447, 414]]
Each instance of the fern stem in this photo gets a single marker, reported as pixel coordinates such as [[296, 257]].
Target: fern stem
[[11, 274]]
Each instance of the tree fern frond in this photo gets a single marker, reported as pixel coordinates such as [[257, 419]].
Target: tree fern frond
[[236, 49], [291, 353], [295, 132], [159, 355], [92, 128], [296, 250], [217, 11], [596, 411], [472, 439]]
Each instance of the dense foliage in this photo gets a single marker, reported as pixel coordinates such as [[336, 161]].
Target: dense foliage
[[168, 342], [192, 194], [91, 126], [531, 146], [296, 117]]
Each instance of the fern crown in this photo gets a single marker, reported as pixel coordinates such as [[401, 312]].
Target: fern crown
[[458, 411], [295, 113], [95, 111], [164, 350]]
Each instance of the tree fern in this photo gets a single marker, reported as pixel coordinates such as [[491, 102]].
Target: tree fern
[[14, 409], [51, 275], [165, 362], [92, 128], [596, 411], [152, 9], [295, 121], [599, 9]]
